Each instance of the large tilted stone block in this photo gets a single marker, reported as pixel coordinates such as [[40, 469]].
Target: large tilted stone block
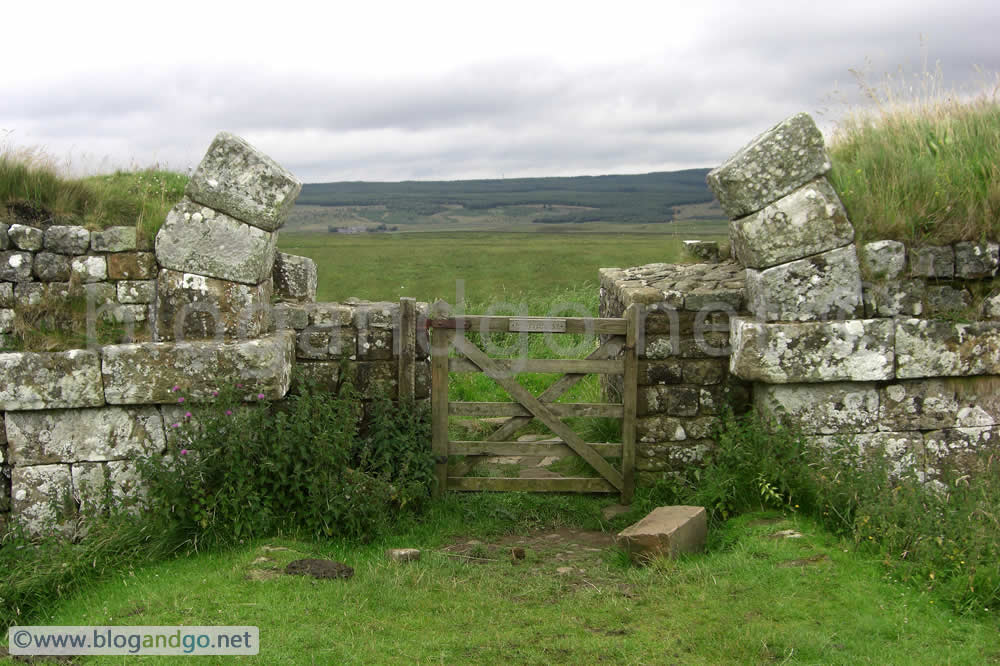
[[41, 497], [823, 286], [932, 404], [937, 348], [76, 435], [808, 221], [237, 179], [196, 239], [193, 307], [147, 373], [777, 162], [857, 350], [295, 278], [838, 407], [50, 380], [667, 531]]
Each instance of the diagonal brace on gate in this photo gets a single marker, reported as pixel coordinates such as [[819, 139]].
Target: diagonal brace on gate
[[502, 377]]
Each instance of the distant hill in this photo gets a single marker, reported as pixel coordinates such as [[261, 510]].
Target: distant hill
[[622, 199]]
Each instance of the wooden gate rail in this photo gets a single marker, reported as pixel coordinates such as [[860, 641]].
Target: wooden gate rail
[[449, 333]]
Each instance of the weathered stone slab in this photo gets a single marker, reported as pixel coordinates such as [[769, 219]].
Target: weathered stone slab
[[330, 315], [41, 498], [50, 380], [290, 315], [29, 239], [375, 344], [839, 407], [7, 316], [90, 268], [936, 348], [240, 181], [76, 435], [976, 260], [943, 299], [894, 298], [855, 350], [325, 374], [403, 554], [808, 221], [319, 343], [932, 404], [702, 250], [132, 266], [823, 286], [775, 163], [294, 278], [90, 481], [903, 450], [4, 238], [51, 267], [884, 259], [671, 400], [376, 379], [196, 239], [67, 239], [932, 261], [136, 291], [380, 314], [660, 428], [147, 373], [667, 531], [6, 295], [15, 266], [958, 448], [114, 239], [192, 307]]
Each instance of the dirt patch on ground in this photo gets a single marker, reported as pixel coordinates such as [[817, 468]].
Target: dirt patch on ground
[[322, 569], [561, 548]]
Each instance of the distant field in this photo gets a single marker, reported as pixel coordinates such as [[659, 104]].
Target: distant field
[[500, 266]]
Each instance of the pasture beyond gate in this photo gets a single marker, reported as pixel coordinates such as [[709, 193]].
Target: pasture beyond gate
[[617, 355]]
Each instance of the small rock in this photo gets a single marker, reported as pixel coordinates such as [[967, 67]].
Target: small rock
[[786, 534], [517, 553], [403, 554], [562, 571], [322, 569]]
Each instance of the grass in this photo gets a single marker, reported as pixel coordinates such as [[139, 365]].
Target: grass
[[921, 168], [497, 267], [33, 190], [750, 599]]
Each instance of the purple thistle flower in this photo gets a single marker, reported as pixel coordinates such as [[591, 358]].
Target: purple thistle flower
[[229, 412], [260, 396], [184, 452], [179, 400], [176, 425], [187, 415]]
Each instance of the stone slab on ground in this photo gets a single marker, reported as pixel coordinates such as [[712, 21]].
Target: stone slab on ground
[[667, 531]]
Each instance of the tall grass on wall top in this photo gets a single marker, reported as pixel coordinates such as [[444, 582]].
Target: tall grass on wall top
[[33, 191], [921, 168]]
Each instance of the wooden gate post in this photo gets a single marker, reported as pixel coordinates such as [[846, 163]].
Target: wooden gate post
[[630, 392], [406, 349], [441, 340]]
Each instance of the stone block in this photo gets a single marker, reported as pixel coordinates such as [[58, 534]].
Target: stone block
[[894, 298], [41, 498], [975, 261], [7, 317], [706, 251], [132, 266], [29, 239], [294, 278], [823, 286], [838, 407], [932, 261], [936, 348], [375, 344], [375, 315], [4, 238], [668, 531], [732, 394], [704, 371], [903, 451], [330, 315], [855, 350], [51, 267], [671, 400], [318, 343], [884, 259], [959, 448], [376, 379], [90, 484], [403, 554], [200, 240], [136, 291], [777, 162], [89, 268], [15, 266], [6, 294], [114, 239], [146, 373], [668, 371], [77, 435], [325, 374], [933, 404], [943, 299], [990, 305], [193, 307], [240, 181], [660, 428], [67, 239], [708, 345], [290, 315], [808, 221], [50, 380]]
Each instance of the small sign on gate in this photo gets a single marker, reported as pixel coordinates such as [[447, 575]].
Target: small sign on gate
[[536, 325]]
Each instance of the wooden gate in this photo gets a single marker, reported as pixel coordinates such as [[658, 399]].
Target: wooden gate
[[620, 336]]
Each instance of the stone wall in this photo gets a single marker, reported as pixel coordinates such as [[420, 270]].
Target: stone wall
[[224, 308]]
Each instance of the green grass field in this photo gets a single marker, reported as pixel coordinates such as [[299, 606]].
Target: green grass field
[[497, 267]]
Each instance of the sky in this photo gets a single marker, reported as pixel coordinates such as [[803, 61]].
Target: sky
[[454, 90]]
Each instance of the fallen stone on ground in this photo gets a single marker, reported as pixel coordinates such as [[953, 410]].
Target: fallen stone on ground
[[666, 532]]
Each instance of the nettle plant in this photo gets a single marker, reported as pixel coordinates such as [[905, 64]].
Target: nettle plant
[[311, 464]]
